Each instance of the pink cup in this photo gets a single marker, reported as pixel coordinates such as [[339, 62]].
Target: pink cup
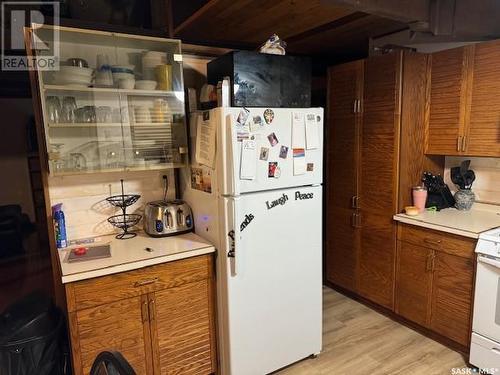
[[419, 197]]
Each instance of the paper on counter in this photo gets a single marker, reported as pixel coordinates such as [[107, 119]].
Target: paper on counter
[[205, 140], [248, 166], [312, 132], [298, 130], [299, 161]]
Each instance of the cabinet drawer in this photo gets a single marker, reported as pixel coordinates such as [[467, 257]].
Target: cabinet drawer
[[93, 292], [441, 241]]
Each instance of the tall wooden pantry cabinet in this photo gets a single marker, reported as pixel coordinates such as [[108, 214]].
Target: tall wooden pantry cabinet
[[362, 175], [375, 153]]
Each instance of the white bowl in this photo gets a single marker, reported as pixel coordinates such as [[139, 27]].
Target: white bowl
[[127, 84], [76, 70], [145, 84], [60, 78], [119, 76]]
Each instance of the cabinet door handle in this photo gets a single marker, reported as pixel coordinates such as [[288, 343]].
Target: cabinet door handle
[[459, 142], [429, 263], [353, 220], [144, 312], [432, 242], [138, 284], [464, 142], [151, 310], [358, 220], [353, 201], [428, 266], [355, 106]]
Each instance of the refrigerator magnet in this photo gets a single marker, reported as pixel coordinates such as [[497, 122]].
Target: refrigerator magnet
[[243, 116], [273, 140], [264, 153], [310, 167], [248, 160], [257, 120], [268, 116], [242, 135], [299, 161], [283, 152], [271, 169]]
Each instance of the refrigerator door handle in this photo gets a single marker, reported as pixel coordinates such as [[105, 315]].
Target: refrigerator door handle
[[233, 169], [234, 246]]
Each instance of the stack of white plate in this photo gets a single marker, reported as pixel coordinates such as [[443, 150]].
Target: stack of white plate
[[150, 60], [73, 76]]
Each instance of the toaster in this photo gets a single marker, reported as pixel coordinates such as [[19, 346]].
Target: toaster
[[166, 218]]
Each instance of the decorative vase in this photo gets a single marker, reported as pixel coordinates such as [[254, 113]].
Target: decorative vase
[[464, 199]]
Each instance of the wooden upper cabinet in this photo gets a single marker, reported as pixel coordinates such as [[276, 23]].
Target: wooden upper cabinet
[[342, 155], [464, 116], [379, 177], [344, 89], [483, 137], [450, 76]]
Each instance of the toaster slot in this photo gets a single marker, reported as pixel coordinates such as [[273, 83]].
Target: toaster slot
[[180, 217], [169, 220]]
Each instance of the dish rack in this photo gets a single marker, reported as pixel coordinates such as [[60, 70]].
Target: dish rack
[[124, 221]]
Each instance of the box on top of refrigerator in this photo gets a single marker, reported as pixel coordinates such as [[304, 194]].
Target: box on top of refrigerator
[[262, 80]]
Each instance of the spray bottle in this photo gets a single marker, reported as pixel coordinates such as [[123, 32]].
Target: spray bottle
[[59, 226]]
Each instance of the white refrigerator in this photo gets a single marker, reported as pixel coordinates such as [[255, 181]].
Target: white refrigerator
[[265, 221]]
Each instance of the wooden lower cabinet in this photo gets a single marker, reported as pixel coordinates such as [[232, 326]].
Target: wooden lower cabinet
[[161, 318], [182, 334], [434, 281], [414, 283], [452, 288], [341, 250]]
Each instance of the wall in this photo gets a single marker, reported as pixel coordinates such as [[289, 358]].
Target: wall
[[84, 198], [487, 184], [16, 185]]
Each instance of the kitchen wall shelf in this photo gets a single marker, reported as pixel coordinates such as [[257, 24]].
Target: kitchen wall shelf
[[106, 129], [113, 90], [76, 125]]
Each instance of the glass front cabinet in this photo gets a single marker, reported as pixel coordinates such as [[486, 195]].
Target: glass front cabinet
[[115, 102]]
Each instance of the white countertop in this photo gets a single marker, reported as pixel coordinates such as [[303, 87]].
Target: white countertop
[[130, 254], [471, 223]]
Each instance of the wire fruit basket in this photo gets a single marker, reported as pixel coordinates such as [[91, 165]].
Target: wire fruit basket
[[124, 221]]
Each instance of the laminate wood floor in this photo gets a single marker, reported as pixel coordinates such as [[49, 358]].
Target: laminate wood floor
[[359, 341]]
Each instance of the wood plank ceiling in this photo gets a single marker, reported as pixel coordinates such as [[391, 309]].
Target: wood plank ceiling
[[308, 26]]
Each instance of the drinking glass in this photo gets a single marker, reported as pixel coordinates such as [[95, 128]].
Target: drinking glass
[[104, 77], [68, 109], [53, 109], [103, 114]]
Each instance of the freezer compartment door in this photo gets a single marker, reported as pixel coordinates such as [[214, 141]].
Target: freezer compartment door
[[272, 164], [272, 283]]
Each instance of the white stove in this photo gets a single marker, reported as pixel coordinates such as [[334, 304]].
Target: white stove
[[485, 342]]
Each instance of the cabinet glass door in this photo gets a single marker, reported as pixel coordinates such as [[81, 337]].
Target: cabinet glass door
[[115, 103]]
